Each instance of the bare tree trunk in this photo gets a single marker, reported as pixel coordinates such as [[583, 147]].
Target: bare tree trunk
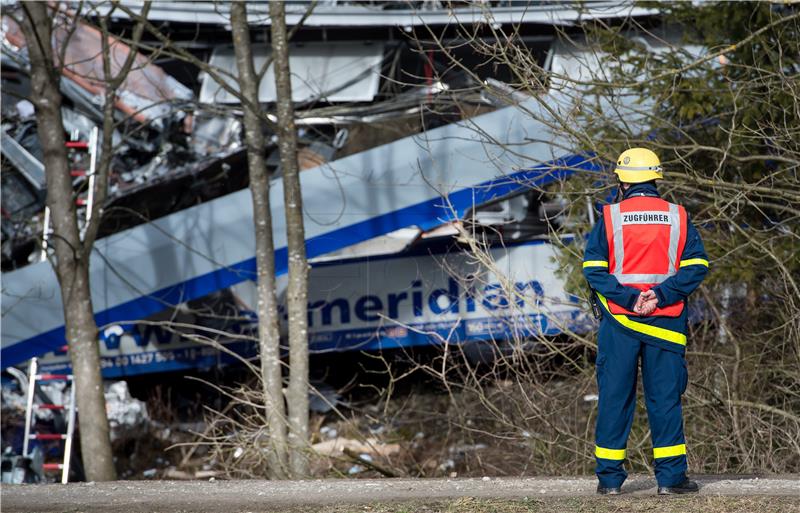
[[71, 257], [297, 292], [268, 330]]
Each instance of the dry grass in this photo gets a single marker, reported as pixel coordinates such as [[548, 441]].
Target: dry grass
[[581, 504]]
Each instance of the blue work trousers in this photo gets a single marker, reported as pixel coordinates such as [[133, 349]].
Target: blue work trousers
[[664, 376]]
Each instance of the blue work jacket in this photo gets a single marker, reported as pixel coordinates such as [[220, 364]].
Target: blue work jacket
[[666, 332]]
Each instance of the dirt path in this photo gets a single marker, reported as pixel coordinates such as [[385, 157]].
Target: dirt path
[[232, 496]]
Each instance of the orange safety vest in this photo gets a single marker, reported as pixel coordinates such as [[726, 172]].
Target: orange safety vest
[[646, 236]]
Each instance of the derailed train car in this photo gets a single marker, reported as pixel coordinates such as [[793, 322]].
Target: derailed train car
[[432, 293], [169, 292]]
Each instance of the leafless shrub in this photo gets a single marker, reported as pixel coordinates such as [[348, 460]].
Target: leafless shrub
[[732, 158], [724, 118]]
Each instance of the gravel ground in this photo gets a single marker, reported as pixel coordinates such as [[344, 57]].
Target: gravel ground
[[232, 496]]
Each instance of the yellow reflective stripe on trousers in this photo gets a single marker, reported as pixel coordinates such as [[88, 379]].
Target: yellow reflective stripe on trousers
[[668, 452], [654, 331], [694, 261], [609, 454], [595, 263]]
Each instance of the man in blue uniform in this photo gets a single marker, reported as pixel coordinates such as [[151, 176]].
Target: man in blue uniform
[[642, 260]]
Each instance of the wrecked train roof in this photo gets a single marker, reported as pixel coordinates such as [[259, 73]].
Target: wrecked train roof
[[147, 91], [392, 13]]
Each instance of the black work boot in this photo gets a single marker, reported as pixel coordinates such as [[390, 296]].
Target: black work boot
[[686, 486], [611, 490]]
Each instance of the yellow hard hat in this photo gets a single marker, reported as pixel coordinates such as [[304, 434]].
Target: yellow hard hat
[[638, 165]]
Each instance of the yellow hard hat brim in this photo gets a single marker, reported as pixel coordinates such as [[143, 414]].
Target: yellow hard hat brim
[[638, 176]]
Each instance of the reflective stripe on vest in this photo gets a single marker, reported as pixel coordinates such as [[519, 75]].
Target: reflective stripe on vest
[[645, 234], [619, 247]]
